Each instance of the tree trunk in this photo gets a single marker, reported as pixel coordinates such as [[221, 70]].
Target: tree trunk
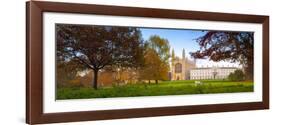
[[249, 69], [249, 72], [148, 81], [95, 81], [156, 81]]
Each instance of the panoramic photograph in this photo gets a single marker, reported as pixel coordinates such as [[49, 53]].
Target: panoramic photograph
[[95, 61]]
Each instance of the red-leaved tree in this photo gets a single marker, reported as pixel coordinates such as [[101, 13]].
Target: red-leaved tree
[[231, 46], [96, 47]]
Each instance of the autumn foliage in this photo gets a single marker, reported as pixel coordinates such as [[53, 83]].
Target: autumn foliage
[[98, 47]]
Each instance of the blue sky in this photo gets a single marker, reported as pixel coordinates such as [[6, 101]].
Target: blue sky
[[180, 39]]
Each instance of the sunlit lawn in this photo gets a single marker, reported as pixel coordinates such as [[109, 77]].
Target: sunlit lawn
[[162, 88]]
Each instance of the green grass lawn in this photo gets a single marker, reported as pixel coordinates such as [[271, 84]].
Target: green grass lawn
[[162, 88]]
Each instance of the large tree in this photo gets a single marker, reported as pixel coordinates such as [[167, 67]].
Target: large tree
[[154, 68], [231, 46], [161, 46], [99, 46], [156, 59]]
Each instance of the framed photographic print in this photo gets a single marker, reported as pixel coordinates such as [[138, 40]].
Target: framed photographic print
[[95, 62]]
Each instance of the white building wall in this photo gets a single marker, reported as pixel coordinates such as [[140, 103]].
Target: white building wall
[[208, 73]]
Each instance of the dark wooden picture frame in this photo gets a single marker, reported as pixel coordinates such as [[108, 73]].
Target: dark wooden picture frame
[[34, 61]]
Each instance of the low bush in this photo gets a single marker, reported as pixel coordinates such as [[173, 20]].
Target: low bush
[[237, 75]]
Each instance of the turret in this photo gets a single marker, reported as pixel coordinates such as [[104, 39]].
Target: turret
[[183, 64], [183, 54], [173, 57]]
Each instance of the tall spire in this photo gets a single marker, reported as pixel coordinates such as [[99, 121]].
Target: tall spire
[[183, 54], [173, 56]]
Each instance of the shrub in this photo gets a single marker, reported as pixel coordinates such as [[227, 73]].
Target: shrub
[[237, 75]]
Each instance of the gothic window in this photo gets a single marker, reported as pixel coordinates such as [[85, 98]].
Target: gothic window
[[178, 68]]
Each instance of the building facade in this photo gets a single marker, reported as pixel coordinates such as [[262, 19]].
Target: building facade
[[180, 67], [211, 73]]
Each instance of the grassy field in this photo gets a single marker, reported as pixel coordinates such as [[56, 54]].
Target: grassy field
[[162, 88]]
